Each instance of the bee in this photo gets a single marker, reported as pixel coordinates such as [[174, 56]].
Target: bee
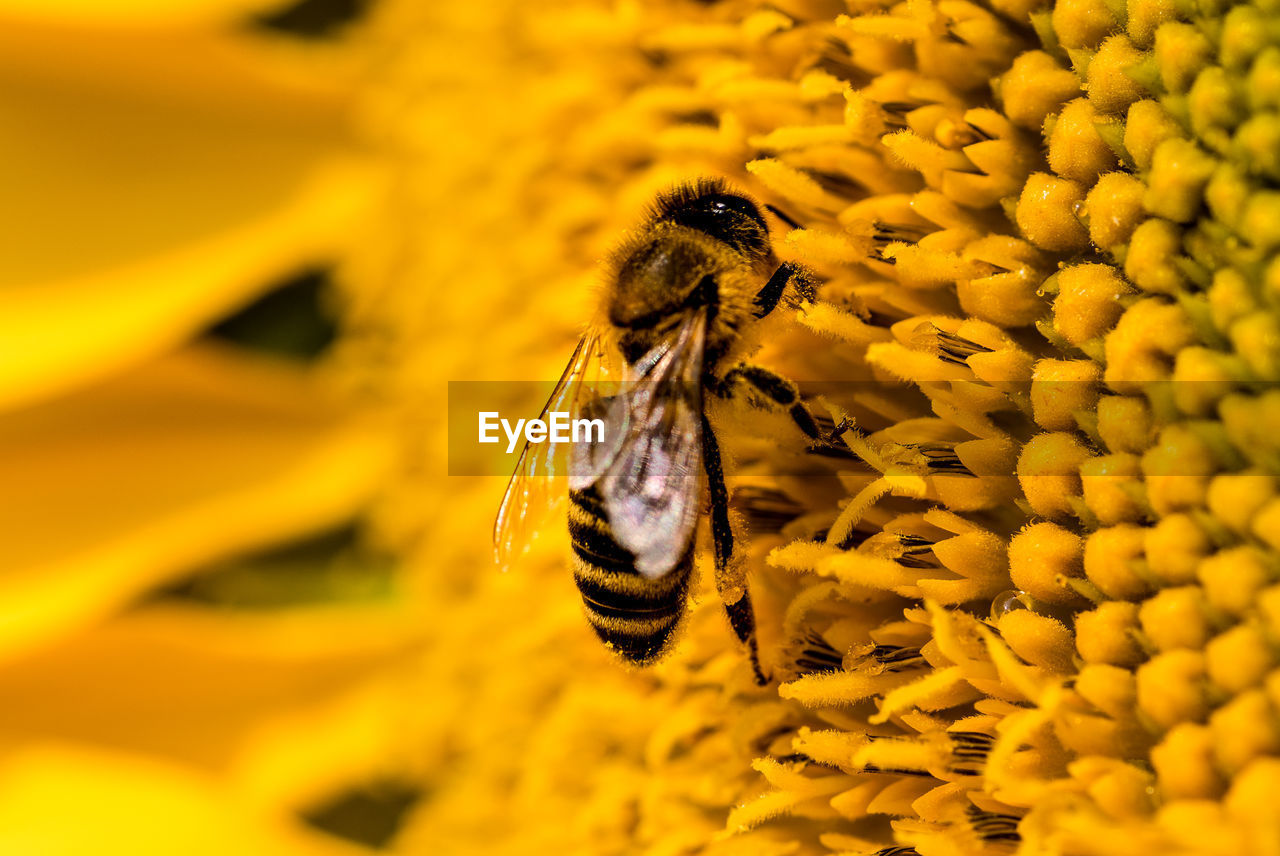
[[684, 295]]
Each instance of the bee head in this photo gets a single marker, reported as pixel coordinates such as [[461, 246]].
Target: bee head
[[700, 243], [715, 210]]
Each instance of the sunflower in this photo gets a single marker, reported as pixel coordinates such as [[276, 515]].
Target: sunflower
[[1035, 611]]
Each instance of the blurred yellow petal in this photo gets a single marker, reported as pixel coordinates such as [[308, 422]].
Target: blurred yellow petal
[[189, 459], [139, 12], [287, 703], [62, 800], [301, 757], [151, 187], [264, 79]]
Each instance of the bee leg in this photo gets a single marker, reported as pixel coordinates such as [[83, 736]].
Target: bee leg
[[782, 393], [731, 578], [768, 297]]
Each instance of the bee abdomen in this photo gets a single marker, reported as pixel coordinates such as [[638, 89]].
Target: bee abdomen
[[635, 615]]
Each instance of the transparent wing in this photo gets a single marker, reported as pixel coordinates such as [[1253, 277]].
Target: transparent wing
[[650, 479], [537, 485]]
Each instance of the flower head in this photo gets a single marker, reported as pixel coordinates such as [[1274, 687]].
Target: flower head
[[1032, 610]]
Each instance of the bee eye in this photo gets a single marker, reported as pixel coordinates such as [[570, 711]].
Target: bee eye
[[732, 219], [737, 204]]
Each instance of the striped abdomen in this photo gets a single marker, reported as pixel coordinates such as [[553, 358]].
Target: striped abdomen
[[631, 613]]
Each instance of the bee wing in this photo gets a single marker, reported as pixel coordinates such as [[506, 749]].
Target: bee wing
[[651, 485], [536, 489]]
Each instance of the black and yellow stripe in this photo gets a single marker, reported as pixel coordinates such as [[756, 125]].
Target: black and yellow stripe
[[631, 613]]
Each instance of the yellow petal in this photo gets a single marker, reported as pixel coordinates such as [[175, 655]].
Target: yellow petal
[[139, 12], [66, 801], [152, 185], [184, 461], [287, 704]]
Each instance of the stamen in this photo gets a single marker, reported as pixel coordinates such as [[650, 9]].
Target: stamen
[[941, 458], [817, 655]]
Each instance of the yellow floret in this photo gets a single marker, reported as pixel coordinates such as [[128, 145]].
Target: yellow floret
[[1042, 558]]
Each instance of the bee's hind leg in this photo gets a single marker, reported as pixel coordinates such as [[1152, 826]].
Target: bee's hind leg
[[731, 577]]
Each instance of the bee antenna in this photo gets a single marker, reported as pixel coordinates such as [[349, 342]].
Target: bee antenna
[[781, 215]]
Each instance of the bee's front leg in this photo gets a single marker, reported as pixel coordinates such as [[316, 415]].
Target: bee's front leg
[[730, 574], [778, 392], [770, 295]]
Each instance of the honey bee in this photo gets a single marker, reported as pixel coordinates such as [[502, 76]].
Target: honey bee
[[685, 293]]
